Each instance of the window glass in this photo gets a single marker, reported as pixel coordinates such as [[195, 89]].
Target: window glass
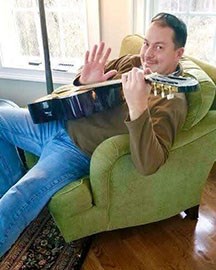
[[203, 6], [20, 29], [24, 3], [202, 37], [26, 33]]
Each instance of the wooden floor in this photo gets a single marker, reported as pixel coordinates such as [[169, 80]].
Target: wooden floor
[[177, 243]]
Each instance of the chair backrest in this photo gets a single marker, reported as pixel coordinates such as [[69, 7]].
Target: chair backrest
[[131, 44], [199, 102]]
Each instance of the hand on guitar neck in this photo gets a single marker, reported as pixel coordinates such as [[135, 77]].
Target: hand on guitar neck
[[136, 91]]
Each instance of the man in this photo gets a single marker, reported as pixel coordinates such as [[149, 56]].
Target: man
[[65, 148]]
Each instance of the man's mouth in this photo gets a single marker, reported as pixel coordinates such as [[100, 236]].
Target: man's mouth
[[150, 63]]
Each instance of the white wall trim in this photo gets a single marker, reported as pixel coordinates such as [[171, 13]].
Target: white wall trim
[[93, 15], [142, 12], [36, 75]]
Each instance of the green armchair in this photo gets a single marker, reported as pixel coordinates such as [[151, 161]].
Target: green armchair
[[115, 195]]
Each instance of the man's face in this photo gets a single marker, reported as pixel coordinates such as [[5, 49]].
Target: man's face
[[158, 51]]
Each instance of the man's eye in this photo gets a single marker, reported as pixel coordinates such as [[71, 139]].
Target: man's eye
[[159, 47], [145, 44]]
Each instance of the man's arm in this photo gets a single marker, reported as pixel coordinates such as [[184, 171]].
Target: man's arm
[[153, 133], [136, 91]]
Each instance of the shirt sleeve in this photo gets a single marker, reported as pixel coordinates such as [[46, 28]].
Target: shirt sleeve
[[153, 133]]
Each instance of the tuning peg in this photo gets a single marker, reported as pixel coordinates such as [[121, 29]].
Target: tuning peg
[[155, 89], [170, 95], [155, 92], [162, 91]]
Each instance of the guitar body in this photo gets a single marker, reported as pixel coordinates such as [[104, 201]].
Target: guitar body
[[77, 105], [70, 102]]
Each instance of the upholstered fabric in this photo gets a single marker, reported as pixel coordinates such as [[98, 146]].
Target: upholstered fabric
[[131, 44], [200, 101], [208, 68], [121, 197]]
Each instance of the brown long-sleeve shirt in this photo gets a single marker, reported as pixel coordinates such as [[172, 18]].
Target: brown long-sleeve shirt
[[151, 135]]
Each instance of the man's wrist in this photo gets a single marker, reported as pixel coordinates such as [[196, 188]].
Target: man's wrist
[[135, 113]]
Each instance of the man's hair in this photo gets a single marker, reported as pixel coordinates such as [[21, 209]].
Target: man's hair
[[177, 25]]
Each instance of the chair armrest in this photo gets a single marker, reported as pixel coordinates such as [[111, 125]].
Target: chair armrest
[[208, 68], [112, 166], [205, 126], [103, 160]]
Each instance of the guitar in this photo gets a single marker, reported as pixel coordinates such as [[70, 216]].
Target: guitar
[[71, 102]]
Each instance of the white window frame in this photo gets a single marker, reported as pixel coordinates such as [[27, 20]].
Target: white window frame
[[142, 12], [36, 74]]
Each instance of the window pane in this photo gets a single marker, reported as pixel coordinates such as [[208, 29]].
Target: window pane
[[66, 28], [67, 31], [73, 3], [24, 3], [185, 5], [202, 37], [53, 34], [203, 5], [27, 34], [50, 3], [164, 6], [173, 5], [74, 35]]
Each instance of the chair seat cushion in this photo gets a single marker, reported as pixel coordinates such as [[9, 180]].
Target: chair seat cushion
[[72, 199]]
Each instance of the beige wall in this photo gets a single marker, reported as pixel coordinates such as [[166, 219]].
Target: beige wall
[[116, 22]]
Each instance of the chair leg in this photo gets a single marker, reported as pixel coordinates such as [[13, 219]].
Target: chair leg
[[193, 212]]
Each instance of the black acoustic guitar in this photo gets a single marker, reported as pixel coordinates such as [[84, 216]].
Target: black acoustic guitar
[[71, 102]]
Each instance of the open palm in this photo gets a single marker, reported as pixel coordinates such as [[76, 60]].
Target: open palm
[[93, 69]]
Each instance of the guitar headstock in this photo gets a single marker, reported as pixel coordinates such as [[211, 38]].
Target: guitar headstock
[[168, 85]]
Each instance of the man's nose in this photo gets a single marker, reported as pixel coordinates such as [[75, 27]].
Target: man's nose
[[149, 52]]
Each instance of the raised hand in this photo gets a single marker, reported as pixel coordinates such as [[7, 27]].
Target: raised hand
[[94, 64], [136, 91]]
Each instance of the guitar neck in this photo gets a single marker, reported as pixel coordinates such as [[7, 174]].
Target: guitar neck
[[167, 83], [111, 82], [99, 84]]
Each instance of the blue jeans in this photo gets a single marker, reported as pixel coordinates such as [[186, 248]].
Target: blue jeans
[[24, 194]]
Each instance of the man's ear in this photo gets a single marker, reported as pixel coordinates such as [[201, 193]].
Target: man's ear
[[179, 52]]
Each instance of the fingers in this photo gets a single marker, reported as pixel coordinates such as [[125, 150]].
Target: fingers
[[135, 74], [99, 51], [110, 74], [140, 75], [93, 53], [105, 56], [147, 71], [124, 78], [86, 59], [97, 54]]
